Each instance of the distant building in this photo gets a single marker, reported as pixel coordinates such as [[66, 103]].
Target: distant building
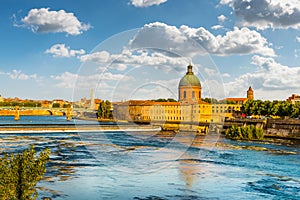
[[97, 103], [46, 103], [1, 99], [294, 98], [241, 100], [250, 93], [61, 102]]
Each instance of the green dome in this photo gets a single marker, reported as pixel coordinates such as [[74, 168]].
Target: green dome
[[189, 79]]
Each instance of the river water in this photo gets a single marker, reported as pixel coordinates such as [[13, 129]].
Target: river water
[[147, 165]]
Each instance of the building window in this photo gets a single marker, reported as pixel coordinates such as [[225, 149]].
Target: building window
[[193, 94], [184, 94]]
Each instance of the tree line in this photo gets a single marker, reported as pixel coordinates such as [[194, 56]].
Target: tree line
[[21, 104], [215, 101], [271, 108]]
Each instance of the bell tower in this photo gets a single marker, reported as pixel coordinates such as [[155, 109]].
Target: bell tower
[[250, 93]]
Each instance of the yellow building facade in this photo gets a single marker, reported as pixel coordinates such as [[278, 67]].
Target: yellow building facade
[[189, 108]]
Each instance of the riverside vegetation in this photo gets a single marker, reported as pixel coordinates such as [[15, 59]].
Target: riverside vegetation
[[20, 173], [245, 133], [104, 110], [272, 108]]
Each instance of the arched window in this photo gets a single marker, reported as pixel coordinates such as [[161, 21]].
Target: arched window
[[184, 94], [199, 95], [193, 94]]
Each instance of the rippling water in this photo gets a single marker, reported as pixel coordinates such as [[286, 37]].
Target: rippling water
[[132, 165]]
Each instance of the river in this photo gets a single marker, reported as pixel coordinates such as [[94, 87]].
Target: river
[[144, 165]]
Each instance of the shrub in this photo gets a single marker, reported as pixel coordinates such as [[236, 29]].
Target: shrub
[[20, 173], [245, 133]]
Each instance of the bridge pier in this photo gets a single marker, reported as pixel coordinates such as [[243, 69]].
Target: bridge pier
[[17, 113]]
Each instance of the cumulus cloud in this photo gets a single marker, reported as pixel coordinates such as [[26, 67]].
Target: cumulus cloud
[[61, 50], [45, 21], [226, 2], [77, 81], [170, 48], [19, 75], [187, 41], [146, 3], [221, 18], [298, 39], [216, 27], [226, 75], [272, 77], [210, 72], [133, 58], [263, 14]]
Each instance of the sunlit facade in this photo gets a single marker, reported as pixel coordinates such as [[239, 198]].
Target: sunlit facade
[[189, 108]]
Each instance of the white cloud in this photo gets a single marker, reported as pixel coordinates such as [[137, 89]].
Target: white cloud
[[66, 79], [243, 41], [210, 72], [146, 3], [120, 61], [78, 81], [297, 53], [186, 41], [44, 21], [19, 75], [271, 78], [119, 66], [216, 27], [97, 57], [263, 14], [60, 50], [226, 75], [223, 2], [221, 18], [298, 39]]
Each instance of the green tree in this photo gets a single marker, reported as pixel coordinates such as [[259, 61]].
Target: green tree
[[56, 105], [104, 110], [246, 107], [245, 133], [164, 100], [210, 100], [20, 173], [66, 105]]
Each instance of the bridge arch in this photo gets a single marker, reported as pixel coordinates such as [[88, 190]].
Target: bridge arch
[[50, 112]]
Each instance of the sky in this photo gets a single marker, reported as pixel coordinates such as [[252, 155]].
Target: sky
[[139, 49]]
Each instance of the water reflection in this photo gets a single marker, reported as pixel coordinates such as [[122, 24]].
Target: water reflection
[[189, 170]]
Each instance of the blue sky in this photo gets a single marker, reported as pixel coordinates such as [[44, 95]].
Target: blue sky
[[139, 49]]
